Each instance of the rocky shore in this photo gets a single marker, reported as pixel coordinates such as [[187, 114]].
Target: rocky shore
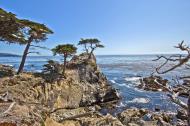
[[48, 99], [157, 83]]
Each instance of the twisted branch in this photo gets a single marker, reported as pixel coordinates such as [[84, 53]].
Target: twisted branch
[[181, 59]]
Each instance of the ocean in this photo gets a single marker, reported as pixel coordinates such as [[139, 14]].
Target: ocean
[[123, 72]]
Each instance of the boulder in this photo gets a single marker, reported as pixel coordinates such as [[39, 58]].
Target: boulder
[[149, 84]]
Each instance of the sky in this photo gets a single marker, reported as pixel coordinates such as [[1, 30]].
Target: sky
[[123, 26]]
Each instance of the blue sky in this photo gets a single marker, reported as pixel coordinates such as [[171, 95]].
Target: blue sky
[[123, 26]]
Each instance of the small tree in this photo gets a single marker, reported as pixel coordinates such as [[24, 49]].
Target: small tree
[[23, 32], [92, 44], [65, 51]]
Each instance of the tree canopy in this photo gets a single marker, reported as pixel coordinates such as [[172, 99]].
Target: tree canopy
[[91, 43], [67, 49], [14, 30], [10, 28]]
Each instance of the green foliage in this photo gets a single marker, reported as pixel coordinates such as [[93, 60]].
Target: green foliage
[[90, 43], [67, 50], [83, 41], [10, 27], [39, 31], [100, 46], [14, 30]]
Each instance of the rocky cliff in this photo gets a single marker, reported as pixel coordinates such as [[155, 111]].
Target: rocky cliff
[[29, 97]]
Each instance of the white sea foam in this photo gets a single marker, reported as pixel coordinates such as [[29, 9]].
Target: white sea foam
[[132, 78], [113, 81], [9, 65], [125, 85], [135, 80], [139, 100]]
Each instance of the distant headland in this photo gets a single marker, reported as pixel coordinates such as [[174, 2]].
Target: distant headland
[[8, 55]]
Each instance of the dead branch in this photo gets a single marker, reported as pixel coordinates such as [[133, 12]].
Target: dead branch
[[180, 58]]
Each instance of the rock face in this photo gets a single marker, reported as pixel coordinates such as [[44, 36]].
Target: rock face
[[94, 84], [83, 86]]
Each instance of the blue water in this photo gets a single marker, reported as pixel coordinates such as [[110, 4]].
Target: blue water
[[123, 73]]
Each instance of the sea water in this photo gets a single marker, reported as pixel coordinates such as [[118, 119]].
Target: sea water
[[123, 72]]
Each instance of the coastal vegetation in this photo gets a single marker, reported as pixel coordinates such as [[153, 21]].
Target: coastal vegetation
[[21, 31]]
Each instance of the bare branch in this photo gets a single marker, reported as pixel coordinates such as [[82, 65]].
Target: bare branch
[[180, 58]]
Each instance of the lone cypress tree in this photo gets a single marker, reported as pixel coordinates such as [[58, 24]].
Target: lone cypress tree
[[90, 45], [23, 32], [65, 50]]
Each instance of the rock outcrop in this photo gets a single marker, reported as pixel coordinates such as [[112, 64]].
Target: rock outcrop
[[149, 84], [84, 85]]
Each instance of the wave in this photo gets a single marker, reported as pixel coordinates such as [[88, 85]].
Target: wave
[[139, 100], [112, 81], [132, 79]]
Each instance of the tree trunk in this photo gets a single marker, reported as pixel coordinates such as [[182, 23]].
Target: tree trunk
[[90, 55], [188, 111], [65, 63], [86, 48], [24, 55]]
